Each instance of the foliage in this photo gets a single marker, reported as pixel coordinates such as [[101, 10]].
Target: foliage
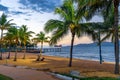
[[2, 77]]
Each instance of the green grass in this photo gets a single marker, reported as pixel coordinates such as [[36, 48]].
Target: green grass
[[94, 78], [2, 77]]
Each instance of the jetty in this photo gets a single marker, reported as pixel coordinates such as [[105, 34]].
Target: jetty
[[45, 49]]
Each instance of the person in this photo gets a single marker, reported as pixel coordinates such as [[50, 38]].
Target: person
[[42, 59]]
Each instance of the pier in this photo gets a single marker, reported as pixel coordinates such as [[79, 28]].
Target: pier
[[47, 49], [52, 49]]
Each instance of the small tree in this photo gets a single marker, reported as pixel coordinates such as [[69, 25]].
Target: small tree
[[41, 38], [24, 37]]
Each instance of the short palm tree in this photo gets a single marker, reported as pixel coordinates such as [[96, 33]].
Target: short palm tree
[[41, 38], [14, 32], [4, 25], [9, 41], [25, 37]]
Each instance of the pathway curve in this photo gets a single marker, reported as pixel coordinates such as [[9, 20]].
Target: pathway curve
[[25, 74]]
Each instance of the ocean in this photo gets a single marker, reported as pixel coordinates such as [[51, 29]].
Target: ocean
[[87, 52]]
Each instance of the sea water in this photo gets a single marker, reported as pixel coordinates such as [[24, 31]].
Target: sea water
[[87, 52]]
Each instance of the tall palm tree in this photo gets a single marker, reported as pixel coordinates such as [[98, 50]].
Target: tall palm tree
[[25, 37], [70, 22], [14, 32], [100, 5], [4, 25], [41, 38]]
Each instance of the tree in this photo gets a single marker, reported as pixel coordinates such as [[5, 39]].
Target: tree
[[70, 22], [41, 38], [100, 5], [4, 25], [14, 33], [25, 37], [9, 41]]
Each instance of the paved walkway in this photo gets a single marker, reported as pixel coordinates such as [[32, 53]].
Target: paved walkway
[[25, 74]]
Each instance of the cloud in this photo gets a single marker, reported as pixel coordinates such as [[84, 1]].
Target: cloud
[[3, 8], [41, 5], [16, 12], [26, 19]]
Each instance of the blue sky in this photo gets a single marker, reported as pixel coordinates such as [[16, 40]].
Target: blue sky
[[35, 13]]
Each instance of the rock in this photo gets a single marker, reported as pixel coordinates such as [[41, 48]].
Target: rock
[[24, 67]]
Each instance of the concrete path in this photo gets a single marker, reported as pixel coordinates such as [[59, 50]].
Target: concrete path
[[25, 74]]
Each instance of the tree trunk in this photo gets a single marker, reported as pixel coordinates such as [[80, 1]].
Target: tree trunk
[[9, 52], [116, 4], [1, 45], [1, 34], [15, 58], [71, 49], [1, 55], [100, 54], [24, 56], [39, 56]]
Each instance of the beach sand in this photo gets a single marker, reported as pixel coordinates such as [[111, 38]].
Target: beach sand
[[86, 68]]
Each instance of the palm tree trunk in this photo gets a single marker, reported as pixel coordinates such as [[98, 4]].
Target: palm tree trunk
[[1, 55], [1, 45], [71, 49], [116, 4], [100, 47], [15, 58], [1, 34], [9, 52], [39, 56], [24, 52]]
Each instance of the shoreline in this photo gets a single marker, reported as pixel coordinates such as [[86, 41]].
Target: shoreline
[[81, 59], [88, 68]]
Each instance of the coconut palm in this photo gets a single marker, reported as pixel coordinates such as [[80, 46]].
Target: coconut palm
[[14, 32], [9, 41], [41, 38], [70, 22], [4, 25], [98, 6], [25, 37]]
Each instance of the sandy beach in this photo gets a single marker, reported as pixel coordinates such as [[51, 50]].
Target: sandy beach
[[59, 64]]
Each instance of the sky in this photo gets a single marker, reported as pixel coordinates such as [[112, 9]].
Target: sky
[[35, 13]]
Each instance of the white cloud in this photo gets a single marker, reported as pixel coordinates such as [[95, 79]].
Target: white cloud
[[33, 19]]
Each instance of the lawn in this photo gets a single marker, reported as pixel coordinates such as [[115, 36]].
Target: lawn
[[2, 77], [98, 79]]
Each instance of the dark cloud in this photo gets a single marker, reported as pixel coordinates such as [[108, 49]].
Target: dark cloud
[[3, 8], [41, 5], [26, 19], [16, 12]]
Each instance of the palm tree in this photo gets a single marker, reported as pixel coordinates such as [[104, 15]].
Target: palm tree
[[14, 32], [9, 41], [4, 25], [24, 37], [100, 5], [70, 22], [41, 38]]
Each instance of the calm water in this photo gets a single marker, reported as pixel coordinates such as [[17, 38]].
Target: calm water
[[89, 52]]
